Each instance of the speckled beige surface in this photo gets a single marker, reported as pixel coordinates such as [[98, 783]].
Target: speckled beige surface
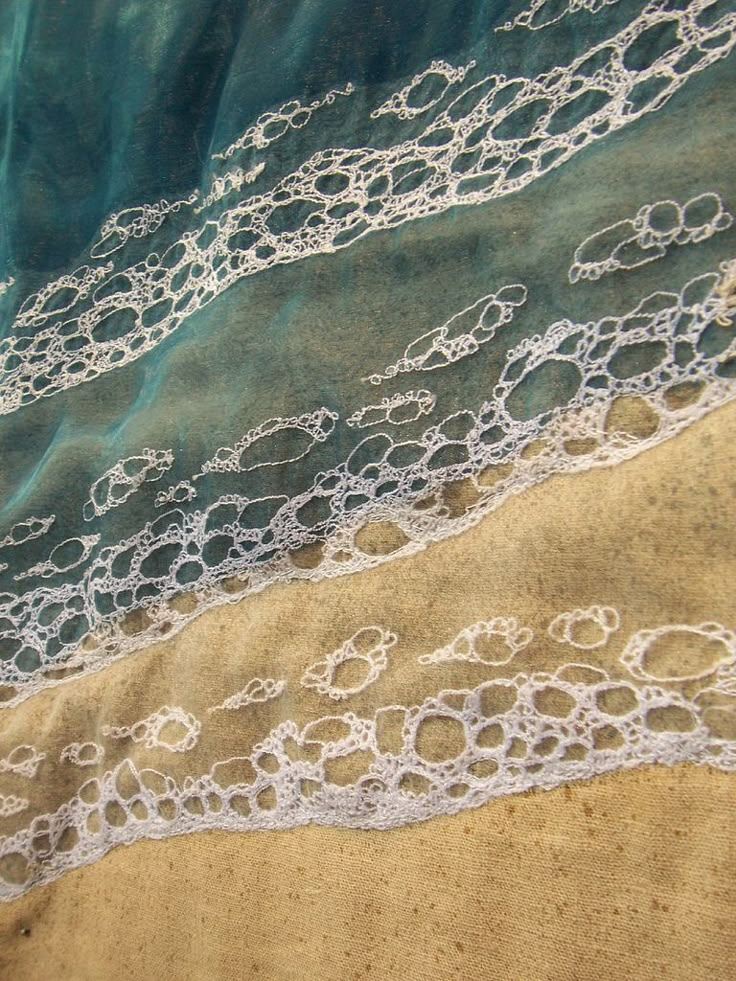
[[629, 876]]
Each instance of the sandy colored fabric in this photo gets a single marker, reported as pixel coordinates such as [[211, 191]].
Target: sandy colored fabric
[[630, 876], [652, 538], [627, 876], [290, 290]]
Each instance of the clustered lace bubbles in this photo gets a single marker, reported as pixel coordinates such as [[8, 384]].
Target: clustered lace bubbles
[[646, 237], [578, 394], [666, 695], [117, 484], [368, 648], [415, 460], [484, 137]]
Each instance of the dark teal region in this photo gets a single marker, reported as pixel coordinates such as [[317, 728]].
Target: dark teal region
[[112, 103], [109, 105], [303, 335]]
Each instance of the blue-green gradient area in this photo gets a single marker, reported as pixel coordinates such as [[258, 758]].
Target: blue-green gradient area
[[117, 102], [111, 105]]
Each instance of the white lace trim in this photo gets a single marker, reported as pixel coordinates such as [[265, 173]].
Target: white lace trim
[[648, 235], [481, 141], [152, 731], [457, 749], [653, 356]]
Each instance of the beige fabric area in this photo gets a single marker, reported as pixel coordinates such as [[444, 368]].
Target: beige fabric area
[[652, 537], [630, 876], [627, 876]]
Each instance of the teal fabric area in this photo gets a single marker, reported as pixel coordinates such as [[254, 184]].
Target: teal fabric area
[[110, 106]]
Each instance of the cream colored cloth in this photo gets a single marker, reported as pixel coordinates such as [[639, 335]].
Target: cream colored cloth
[[625, 876], [628, 877]]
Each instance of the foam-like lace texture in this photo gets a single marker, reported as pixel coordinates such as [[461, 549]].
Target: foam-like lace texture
[[544, 13], [458, 748], [460, 337], [23, 760], [123, 479], [479, 644], [578, 394], [257, 690], [656, 355], [369, 646], [484, 137], [26, 531], [153, 730], [647, 236]]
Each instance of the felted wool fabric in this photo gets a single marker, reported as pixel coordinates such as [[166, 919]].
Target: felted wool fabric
[[366, 413]]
